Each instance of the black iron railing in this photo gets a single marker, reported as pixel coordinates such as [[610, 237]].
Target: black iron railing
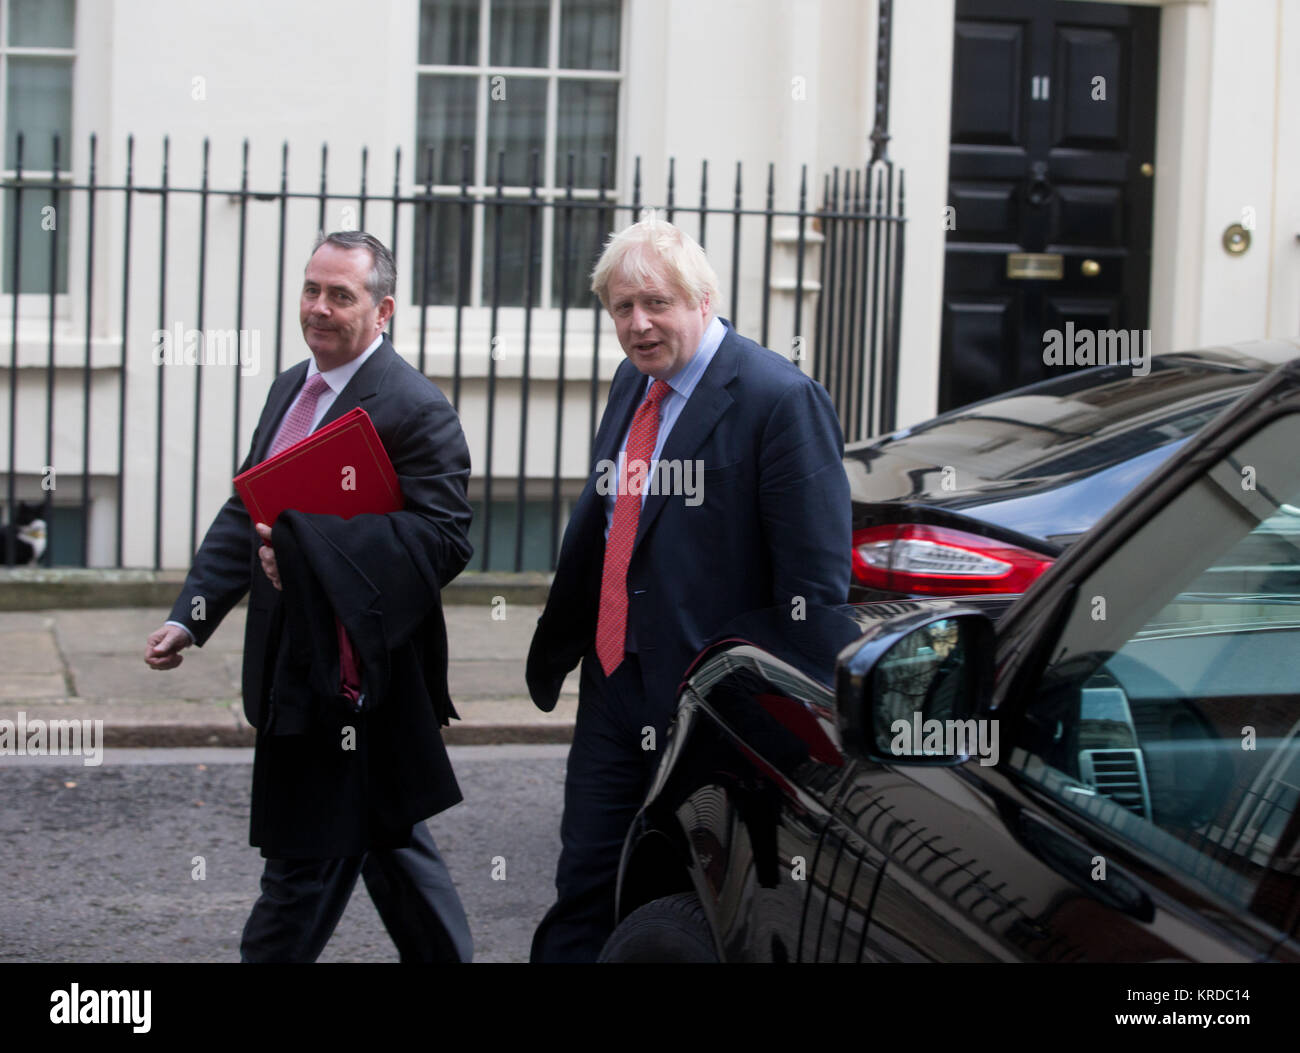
[[844, 257]]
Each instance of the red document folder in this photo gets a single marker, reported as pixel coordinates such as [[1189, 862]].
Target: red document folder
[[340, 469]]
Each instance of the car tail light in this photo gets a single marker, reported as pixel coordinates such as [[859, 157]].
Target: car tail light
[[939, 561]]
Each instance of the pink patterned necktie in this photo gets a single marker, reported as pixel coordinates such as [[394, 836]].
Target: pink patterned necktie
[[297, 422], [611, 623]]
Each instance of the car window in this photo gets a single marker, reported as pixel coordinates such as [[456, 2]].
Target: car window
[[1076, 423], [1171, 705]]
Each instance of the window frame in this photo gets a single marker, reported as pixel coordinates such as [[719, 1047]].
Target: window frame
[[1109, 821], [36, 304], [482, 186]]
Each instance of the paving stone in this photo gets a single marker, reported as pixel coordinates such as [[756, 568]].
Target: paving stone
[[113, 711], [89, 664], [29, 651], [124, 630], [19, 620], [19, 686], [200, 675], [473, 633]]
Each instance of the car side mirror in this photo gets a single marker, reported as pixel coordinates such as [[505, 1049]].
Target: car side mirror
[[917, 690]]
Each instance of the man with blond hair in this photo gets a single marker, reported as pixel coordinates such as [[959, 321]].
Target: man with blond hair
[[729, 496]]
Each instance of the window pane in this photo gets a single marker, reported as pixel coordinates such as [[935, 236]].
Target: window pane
[[579, 237], [517, 126], [586, 126], [537, 535], [520, 31], [447, 257], [449, 32], [40, 104], [514, 251], [41, 23], [36, 241], [445, 117], [1170, 711], [589, 34]]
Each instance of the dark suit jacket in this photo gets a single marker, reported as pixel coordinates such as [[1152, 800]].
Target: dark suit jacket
[[312, 798], [774, 523]]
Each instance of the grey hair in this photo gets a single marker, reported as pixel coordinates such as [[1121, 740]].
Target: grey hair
[[654, 246], [382, 279]]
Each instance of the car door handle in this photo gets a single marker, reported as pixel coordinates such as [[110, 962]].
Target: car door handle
[[1076, 861]]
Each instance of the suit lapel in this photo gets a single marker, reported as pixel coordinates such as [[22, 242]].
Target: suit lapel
[[708, 402], [363, 385], [624, 397]]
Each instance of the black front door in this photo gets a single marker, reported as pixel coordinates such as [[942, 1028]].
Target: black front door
[[1050, 179]]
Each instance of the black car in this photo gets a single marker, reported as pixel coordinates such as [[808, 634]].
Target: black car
[[1105, 768], [982, 499]]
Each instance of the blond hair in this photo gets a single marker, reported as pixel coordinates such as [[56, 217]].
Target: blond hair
[[653, 248]]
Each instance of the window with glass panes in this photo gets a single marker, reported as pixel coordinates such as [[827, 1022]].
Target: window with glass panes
[[500, 80], [36, 60]]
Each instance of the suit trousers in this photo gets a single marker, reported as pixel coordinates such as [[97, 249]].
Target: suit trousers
[[611, 765], [303, 899]]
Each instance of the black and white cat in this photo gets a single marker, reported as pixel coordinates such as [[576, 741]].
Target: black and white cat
[[28, 532]]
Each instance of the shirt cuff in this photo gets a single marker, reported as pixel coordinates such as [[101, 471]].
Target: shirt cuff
[[193, 640]]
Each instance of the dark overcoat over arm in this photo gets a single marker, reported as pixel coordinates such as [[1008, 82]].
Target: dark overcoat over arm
[[423, 438]]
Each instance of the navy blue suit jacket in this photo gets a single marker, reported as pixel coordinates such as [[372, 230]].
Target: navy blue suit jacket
[[773, 525]]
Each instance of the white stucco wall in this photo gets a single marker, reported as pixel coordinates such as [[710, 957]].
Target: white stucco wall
[[1239, 173], [787, 82]]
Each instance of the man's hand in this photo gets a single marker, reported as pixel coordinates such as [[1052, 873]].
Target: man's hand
[[162, 648], [267, 554]]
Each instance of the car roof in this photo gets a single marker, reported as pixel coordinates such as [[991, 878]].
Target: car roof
[[1074, 424]]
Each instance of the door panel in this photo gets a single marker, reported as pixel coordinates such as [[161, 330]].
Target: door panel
[[987, 325], [986, 209], [991, 57], [1088, 216], [1090, 312], [973, 875], [1080, 119], [1053, 118]]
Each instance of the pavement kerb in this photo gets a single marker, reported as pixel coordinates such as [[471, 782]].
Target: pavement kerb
[[52, 658], [70, 588], [175, 736]]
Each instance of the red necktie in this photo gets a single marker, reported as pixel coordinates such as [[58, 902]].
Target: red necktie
[[297, 422], [611, 624]]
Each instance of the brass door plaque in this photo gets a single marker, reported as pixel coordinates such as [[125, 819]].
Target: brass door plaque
[[1045, 266]]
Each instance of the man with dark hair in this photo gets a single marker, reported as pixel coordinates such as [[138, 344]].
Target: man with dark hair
[[343, 780]]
